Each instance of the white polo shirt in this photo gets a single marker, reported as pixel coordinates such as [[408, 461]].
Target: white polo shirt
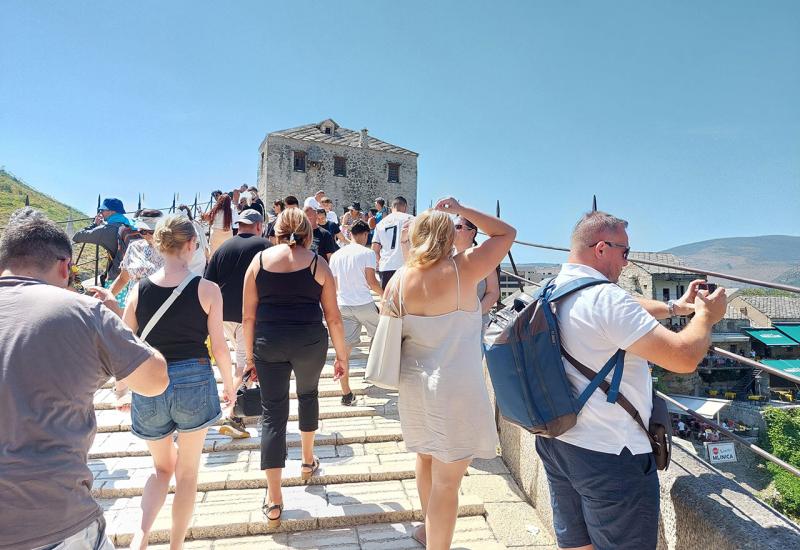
[[348, 266], [595, 323]]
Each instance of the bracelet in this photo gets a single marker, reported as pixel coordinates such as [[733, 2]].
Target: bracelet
[[671, 307]]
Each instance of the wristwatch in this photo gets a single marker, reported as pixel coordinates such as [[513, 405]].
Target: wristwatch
[[671, 307]]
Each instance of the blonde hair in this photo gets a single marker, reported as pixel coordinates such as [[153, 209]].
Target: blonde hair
[[172, 233], [293, 227], [432, 237]]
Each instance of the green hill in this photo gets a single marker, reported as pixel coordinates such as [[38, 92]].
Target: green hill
[[12, 197], [767, 257]]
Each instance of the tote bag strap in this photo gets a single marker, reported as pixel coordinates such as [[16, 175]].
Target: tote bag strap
[[166, 305]]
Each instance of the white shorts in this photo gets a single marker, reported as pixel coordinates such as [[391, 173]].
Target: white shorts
[[354, 317]]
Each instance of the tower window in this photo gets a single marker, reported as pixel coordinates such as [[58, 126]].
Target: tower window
[[339, 166], [299, 161], [394, 172]]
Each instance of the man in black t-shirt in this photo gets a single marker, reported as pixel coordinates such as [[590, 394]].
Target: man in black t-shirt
[[331, 227], [323, 243], [227, 268]]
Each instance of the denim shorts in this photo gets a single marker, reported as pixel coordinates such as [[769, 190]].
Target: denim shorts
[[189, 403], [609, 501]]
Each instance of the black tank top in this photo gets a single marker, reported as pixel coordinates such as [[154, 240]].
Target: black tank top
[[289, 298], [181, 333]]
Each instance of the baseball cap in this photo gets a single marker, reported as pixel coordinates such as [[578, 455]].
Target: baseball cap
[[250, 216], [114, 205]]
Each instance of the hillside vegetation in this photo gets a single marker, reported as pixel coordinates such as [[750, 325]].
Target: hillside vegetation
[[12, 197]]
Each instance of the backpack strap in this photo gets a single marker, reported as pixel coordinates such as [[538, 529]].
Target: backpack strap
[[573, 286], [166, 305], [621, 400]]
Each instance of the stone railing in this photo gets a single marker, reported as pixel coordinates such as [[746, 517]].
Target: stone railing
[[700, 507]]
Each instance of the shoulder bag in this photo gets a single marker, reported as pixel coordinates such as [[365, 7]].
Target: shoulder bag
[[383, 364]]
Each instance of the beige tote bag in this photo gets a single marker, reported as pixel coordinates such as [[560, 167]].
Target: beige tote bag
[[383, 364]]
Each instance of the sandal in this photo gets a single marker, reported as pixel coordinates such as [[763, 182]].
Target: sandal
[[267, 508], [305, 476]]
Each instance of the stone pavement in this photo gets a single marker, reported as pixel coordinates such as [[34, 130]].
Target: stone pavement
[[363, 497]]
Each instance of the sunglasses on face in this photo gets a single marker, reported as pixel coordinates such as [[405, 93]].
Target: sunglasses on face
[[146, 232], [625, 252], [462, 226]]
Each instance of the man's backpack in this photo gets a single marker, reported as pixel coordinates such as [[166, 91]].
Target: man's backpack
[[524, 357]]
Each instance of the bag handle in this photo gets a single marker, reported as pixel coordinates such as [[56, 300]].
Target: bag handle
[[622, 401], [165, 306]]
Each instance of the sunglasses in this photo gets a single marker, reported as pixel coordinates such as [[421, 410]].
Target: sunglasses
[[460, 226], [625, 252], [146, 232]]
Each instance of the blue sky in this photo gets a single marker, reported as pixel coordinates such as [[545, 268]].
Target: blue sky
[[683, 117]]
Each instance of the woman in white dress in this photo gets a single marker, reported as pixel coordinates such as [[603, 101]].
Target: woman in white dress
[[445, 413]]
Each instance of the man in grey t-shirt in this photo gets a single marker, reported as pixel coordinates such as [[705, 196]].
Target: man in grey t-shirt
[[58, 349]]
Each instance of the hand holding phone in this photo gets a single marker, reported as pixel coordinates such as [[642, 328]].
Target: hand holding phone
[[709, 287]]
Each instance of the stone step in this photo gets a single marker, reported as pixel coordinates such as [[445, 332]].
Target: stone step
[[126, 476], [104, 398], [472, 533], [333, 431], [237, 512], [329, 408]]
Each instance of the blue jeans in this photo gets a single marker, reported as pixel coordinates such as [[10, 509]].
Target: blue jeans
[[609, 501], [189, 403]]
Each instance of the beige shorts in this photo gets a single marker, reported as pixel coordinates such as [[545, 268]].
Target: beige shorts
[[354, 317]]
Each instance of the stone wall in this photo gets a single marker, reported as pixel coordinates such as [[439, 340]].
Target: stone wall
[[366, 179], [700, 508]]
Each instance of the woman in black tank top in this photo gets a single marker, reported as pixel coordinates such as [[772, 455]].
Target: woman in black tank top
[[287, 291], [191, 402]]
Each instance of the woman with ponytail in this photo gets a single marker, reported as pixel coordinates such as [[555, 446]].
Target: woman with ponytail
[[445, 413], [190, 403], [283, 333]]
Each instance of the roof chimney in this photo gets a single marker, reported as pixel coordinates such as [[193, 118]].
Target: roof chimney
[[362, 141]]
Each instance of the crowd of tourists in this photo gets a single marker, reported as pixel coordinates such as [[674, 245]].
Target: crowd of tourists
[[279, 284]]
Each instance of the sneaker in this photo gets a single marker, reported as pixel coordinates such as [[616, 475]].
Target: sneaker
[[347, 400], [234, 427]]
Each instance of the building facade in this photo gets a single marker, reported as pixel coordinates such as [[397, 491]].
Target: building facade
[[349, 166]]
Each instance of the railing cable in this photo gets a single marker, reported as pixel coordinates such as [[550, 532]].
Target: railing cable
[[727, 276]]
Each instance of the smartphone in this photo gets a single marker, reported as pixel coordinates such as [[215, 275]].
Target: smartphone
[[710, 287]]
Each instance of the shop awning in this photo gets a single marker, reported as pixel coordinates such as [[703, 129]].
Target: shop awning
[[706, 406], [790, 330], [789, 366], [771, 337]]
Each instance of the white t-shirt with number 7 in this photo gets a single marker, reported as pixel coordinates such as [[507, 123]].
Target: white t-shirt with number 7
[[387, 234]]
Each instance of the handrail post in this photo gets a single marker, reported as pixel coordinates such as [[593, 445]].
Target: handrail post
[[97, 251]]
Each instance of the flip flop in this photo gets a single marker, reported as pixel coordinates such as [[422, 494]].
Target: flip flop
[[305, 476]]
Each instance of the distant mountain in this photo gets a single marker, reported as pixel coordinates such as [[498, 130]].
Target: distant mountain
[[773, 258], [12, 197]]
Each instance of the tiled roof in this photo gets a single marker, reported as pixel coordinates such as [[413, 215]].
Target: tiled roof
[[733, 313], [660, 257], [340, 136], [775, 307]]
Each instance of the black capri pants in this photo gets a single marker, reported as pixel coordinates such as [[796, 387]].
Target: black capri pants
[[278, 350]]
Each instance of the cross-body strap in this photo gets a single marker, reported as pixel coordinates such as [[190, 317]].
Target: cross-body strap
[[166, 305], [622, 401]]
